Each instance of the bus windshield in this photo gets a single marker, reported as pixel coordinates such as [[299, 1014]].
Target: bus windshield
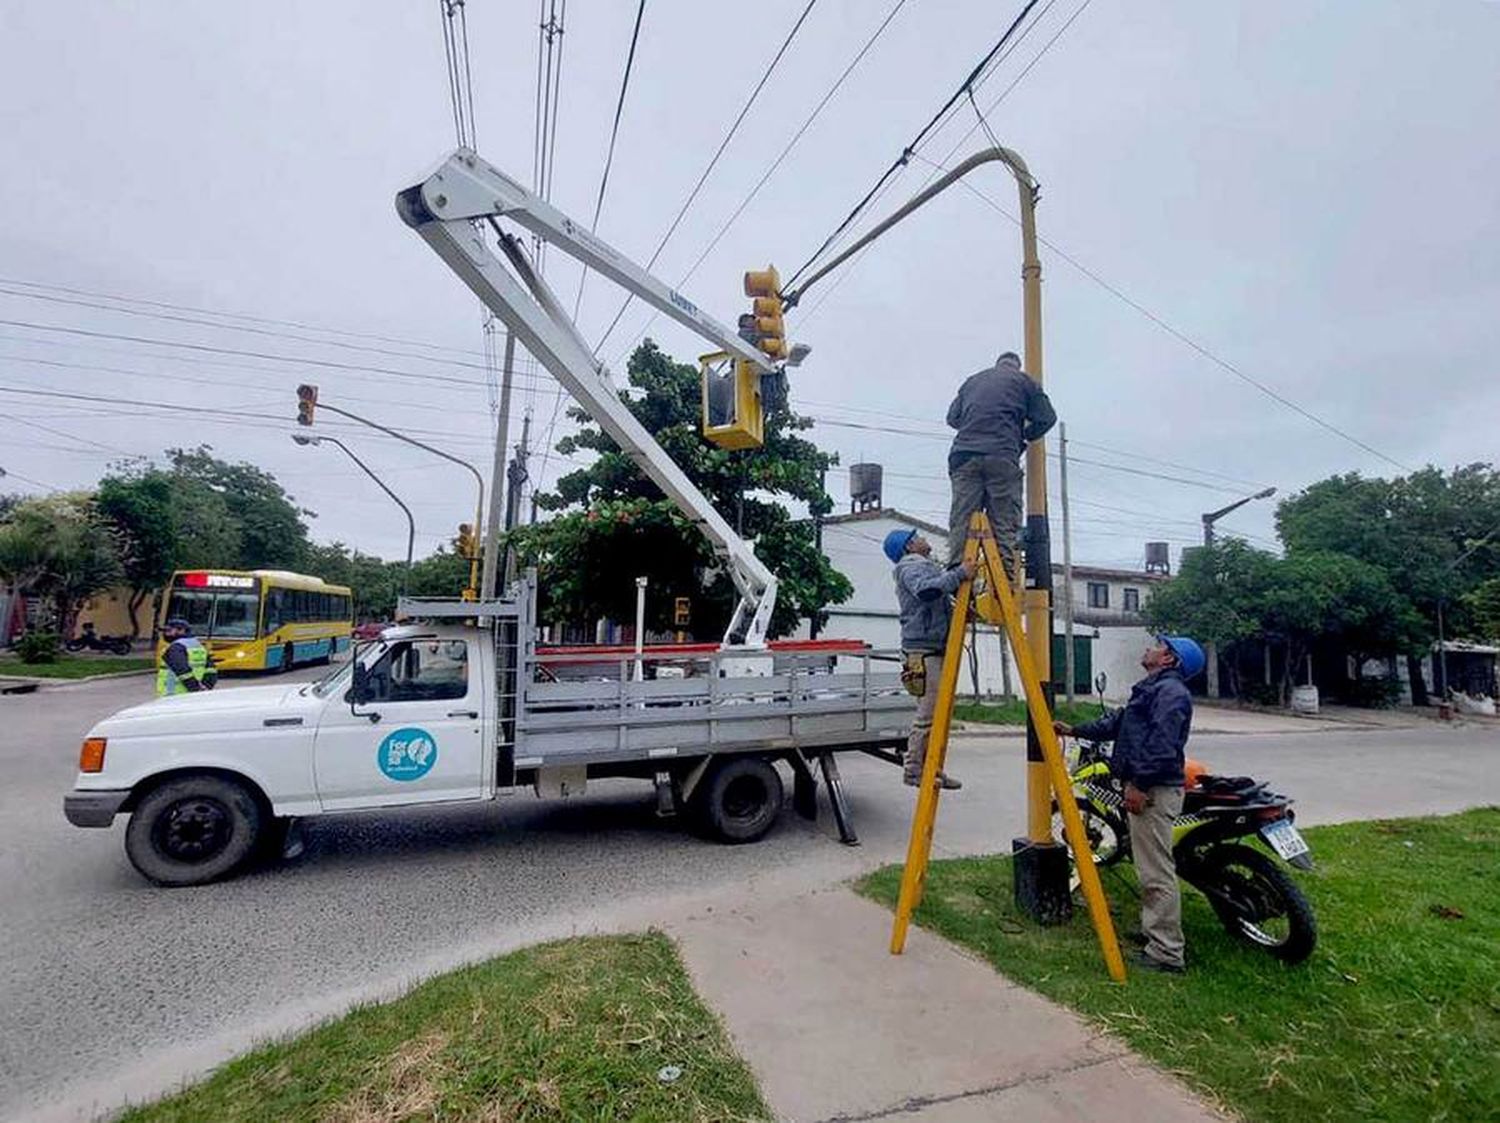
[[216, 615]]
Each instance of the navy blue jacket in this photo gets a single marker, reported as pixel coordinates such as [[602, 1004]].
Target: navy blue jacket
[[1150, 733]]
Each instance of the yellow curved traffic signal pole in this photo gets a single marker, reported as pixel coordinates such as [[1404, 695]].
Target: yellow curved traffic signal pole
[[1037, 597]]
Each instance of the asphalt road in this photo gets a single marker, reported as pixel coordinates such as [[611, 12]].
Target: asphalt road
[[113, 989]]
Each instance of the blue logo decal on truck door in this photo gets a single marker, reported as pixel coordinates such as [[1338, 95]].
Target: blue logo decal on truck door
[[407, 754]]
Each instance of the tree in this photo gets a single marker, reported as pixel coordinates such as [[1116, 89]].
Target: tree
[[1417, 529], [613, 524], [270, 529], [1484, 604], [374, 582], [59, 548], [138, 506]]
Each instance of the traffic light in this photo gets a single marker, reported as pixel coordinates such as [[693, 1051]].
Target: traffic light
[[468, 542], [763, 326], [307, 403], [682, 612]]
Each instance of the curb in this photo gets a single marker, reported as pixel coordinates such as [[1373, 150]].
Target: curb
[[19, 684]]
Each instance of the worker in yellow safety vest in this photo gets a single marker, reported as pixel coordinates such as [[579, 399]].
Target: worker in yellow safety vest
[[186, 666]]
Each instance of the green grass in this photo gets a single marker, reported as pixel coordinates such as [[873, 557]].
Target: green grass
[[576, 1029], [1396, 1016], [76, 666], [1013, 712]]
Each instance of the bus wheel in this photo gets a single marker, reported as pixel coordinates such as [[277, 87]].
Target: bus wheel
[[193, 830], [288, 655]]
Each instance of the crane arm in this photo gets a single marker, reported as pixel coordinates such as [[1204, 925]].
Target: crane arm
[[445, 210]]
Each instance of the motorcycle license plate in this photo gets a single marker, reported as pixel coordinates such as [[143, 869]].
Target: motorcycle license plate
[[1285, 839]]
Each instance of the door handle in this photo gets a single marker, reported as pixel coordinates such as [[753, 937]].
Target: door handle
[[463, 713]]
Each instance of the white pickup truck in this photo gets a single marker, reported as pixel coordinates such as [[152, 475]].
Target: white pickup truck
[[462, 706]]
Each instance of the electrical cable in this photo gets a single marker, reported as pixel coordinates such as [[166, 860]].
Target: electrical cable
[[1189, 341], [713, 162], [906, 153], [609, 157], [770, 171]]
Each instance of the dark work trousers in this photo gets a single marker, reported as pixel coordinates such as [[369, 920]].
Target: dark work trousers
[[991, 484]]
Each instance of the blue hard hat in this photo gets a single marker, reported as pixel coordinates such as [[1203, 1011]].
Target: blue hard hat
[[179, 623], [896, 542], [1190, 657]]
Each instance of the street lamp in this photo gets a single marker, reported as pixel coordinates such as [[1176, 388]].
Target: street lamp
[[1214, 516], [411, 526], [1210, 650]]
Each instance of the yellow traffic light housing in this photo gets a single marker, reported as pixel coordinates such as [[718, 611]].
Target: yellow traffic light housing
[[732, 414], [468, 542], [764, 324], [307, 403]]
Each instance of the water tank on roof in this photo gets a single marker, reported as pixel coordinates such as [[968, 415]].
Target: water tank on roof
[[864, 486], [1158, 559]]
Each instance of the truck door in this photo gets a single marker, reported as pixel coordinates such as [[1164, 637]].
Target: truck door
[[427, 744]]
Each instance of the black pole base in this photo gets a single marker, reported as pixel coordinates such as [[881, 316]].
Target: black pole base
[[1041, 881]]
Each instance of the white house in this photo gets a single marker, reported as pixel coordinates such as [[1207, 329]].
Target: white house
[[1108, 633]]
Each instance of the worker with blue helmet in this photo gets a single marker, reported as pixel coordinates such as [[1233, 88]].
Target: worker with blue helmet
[[1150, 735], [923, 592]]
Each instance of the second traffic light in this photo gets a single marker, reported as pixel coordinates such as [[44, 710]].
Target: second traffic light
[[307, 403], [467, 542], [763, 325]]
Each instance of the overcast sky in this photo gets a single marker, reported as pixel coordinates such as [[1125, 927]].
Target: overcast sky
[[1308, 190]]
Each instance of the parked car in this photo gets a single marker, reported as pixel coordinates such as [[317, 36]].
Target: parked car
[[369, 630]]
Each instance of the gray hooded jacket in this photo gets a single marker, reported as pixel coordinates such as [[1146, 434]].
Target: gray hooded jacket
[[922, 591], [996, 412]]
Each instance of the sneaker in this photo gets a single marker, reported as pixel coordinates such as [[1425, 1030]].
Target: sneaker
[[945, 781], [1148, 963]]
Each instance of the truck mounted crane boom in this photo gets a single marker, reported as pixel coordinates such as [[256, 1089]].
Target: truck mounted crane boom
[[446, 209]]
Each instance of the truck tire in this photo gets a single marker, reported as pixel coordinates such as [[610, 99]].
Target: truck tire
[[193, 830], [740, 800]]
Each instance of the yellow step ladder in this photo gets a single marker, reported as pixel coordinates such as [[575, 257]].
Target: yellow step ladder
[[983, 552]]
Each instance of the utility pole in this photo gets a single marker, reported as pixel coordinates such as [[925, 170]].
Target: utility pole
[[497, 468], [1210, 649], [1068, 655], [812, 624], [515, 476]]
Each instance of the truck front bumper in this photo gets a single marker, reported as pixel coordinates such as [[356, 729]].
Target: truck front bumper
[[93, 809]]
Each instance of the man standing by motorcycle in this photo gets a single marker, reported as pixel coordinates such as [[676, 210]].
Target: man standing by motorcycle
[[1150, 735]]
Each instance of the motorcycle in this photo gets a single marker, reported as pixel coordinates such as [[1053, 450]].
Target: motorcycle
[[90, 640], [1256, 900]]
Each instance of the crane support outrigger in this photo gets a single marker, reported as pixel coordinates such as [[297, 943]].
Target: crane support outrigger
[[446, 209]]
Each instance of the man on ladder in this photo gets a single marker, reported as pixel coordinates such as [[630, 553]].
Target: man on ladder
[[923, 589]]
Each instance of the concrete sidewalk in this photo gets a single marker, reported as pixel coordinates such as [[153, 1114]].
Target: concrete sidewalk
[[836, 1028]]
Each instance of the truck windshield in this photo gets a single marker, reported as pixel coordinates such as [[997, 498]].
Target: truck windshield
[[215, 615]]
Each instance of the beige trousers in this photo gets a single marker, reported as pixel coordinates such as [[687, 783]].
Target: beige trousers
[[921, 727], [1151, 845]]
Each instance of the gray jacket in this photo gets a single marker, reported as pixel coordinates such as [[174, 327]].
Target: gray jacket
[[997, 411], [922, 591]]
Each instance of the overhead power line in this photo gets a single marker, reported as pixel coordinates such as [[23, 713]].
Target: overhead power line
[[713, 161], [609, 156], [771, 170], [23, 283], [1187, 340], [906, 153]]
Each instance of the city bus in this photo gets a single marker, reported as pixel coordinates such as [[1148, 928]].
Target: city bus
[[260, 619]]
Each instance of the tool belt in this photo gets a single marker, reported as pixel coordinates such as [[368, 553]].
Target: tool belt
[[914, 673]]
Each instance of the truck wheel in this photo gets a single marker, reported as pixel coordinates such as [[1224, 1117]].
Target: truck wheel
[[740, 800], [193, 830]]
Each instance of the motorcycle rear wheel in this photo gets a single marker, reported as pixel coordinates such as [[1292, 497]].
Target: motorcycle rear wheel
[[1258, 902]]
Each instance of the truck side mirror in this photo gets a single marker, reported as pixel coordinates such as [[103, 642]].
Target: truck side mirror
[[360, 691]]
